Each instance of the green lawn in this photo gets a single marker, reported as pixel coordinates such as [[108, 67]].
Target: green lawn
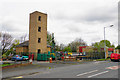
[[102, 59], [5, 65]]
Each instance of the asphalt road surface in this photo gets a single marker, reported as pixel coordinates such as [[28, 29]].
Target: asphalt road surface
[[94, 69], [100, 69]]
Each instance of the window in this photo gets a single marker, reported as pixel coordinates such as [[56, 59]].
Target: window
[[39, 50], [39, 18], [39, 29], [39, 40]]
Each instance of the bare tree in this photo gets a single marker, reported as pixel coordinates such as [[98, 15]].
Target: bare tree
[[6, 40], [77, 42], [0, 34], [62, 46], [23, 38]]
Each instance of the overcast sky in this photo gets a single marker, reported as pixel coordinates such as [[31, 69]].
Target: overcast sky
[[67, 19]]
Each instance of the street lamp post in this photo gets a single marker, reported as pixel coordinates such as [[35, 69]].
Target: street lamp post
[[104, 41]]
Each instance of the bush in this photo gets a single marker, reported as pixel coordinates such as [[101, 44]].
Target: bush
[[6, 63], [4, 56]]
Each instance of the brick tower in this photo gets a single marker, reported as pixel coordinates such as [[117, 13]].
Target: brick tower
[[38, 33]]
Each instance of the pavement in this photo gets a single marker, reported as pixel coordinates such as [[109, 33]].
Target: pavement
[[88, 69], [13, 62]]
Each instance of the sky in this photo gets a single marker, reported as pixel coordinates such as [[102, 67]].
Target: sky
[[67, 19]]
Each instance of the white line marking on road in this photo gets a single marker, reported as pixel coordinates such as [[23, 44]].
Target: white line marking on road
[[87, 72], [113, 67], [98, 74]]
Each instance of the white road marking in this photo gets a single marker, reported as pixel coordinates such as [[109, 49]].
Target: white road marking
[[87, 72], [113, 67], [98, 74]]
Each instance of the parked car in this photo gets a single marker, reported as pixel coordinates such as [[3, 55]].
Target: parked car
[[25, 57], [115, 57], [17, 58]]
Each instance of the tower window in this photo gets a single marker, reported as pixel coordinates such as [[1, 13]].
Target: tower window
[[39, 40], [39, 29], [39, 18], [39, 51]]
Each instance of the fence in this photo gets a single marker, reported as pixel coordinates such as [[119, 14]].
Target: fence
[[91, 55], [95, 55], [58, 56]]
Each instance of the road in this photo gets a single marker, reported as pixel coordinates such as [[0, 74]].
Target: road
[[94, 69], [99, 69]]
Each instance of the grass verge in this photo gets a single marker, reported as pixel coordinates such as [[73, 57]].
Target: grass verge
[[102, 59], [3, 65]]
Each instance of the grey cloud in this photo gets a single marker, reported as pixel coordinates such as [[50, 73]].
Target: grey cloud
[[12, 27], [90, 32], [97, 38], [100, 16], [8, 27], [95, 14], [74, 29]]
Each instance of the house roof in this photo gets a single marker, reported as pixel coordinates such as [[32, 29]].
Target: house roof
[[26, 43], [38, 12]]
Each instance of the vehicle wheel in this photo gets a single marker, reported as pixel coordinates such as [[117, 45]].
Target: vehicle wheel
[[111, 59], [117, 60]]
